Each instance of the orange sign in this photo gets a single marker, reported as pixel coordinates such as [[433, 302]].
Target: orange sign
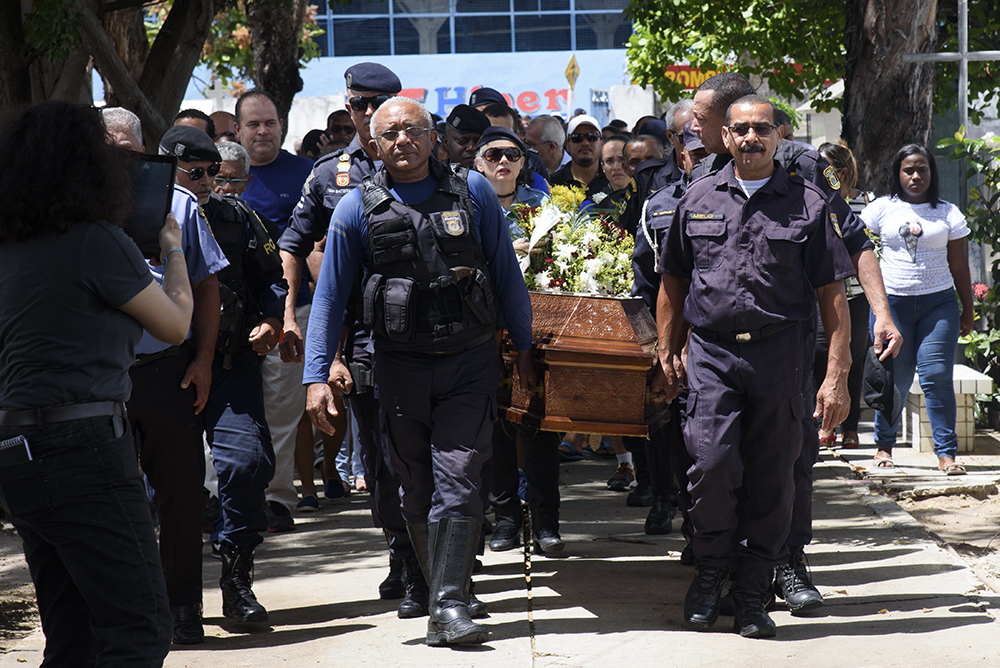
[[689, 76]]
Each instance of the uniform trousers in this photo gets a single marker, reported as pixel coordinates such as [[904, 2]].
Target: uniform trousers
[[541, 468], [171, 453], [241, 446], [744, 429], [439, 412], [82, 513], [284, 404], [382, 482]]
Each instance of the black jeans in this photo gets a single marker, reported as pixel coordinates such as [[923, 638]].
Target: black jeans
[[81, 510]]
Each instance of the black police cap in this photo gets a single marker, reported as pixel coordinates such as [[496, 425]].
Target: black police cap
[[879, 389], [496, 132], [464, 118], [482, 96], [189, 144], [372, 78]]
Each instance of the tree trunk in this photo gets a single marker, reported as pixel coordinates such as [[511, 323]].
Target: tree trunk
[[276, 35], [877, 34], [15, 80], [127, 31]]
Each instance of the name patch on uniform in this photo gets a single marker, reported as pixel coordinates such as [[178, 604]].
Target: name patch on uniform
[[706, 216], [453, 223], [831, 177], [664, 213], [836, 225]]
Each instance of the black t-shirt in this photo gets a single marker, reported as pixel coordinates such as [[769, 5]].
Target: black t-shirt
[[63, 338]]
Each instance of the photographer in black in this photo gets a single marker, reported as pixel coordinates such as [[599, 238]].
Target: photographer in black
[[75, 295], [253, 297]]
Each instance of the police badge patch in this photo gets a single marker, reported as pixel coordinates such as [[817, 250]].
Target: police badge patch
[[453, 223], [836, 225], [343, 171], [831, 177]]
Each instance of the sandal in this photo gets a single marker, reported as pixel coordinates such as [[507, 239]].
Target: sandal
[[828, 441], [950, 467], [566, 453], [850, 442], [602, 452], [883, 460]]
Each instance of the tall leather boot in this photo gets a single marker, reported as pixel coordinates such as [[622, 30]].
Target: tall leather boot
[[238, 600], [659, 521], [452, 544]]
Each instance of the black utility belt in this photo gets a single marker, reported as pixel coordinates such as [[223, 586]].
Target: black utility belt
[[744, 337], [149, 358], [67, 413]]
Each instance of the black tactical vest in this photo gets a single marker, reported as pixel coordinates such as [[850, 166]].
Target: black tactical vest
[[430, 290]]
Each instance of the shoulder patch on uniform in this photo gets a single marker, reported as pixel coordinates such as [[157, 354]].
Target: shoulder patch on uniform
[[835, 223], [705, 216], [831, 177]]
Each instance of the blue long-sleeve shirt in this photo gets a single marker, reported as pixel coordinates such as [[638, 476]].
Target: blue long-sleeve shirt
[[347, 248]]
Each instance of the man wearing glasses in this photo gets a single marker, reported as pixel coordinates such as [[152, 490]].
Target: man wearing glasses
[[745, 248], [584, 145], [439, 268]]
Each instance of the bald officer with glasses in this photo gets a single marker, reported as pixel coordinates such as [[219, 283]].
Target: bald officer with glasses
[[750, 252]]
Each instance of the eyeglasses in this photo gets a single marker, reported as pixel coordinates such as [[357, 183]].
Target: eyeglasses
[[578, 137], [532, 144], [494, 154], [195, 173], [759, 129], [413, 133], [235, 183], [613, 161], [340, 130], [361, 103]]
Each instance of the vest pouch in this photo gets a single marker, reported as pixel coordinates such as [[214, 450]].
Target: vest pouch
[[399, 300], [479, 298], [452, 231], [392, 240]]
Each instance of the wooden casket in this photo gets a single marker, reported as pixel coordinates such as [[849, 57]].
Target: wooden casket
[[596, 356]]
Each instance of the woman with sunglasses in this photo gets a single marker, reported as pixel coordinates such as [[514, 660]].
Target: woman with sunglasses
[[500, 158]]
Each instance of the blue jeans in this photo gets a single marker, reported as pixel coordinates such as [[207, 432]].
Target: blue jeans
[[929, 325], [81, 510]]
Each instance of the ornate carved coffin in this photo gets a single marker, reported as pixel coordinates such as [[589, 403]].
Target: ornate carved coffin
[[597, 355]]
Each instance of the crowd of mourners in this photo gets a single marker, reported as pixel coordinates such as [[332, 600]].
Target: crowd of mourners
[[336, 314]]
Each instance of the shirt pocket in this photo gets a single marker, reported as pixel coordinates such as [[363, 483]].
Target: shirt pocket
[[708, 240], [783, 248]]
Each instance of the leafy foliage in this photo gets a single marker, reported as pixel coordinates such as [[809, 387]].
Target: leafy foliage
[[53, 28], [982, 158]]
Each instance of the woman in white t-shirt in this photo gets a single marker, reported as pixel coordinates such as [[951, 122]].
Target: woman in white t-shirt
[[923, 264]]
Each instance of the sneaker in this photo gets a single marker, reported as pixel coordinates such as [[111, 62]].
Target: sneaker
[[279, 518], [308, 504], [623, 479], [334, 489], [792, 583]]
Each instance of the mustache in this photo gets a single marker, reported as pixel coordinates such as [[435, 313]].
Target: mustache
[[751, 148]]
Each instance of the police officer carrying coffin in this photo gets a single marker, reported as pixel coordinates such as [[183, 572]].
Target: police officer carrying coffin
[[749, 253], [439, 266], [253, 297], [792, 582], [369, 85]]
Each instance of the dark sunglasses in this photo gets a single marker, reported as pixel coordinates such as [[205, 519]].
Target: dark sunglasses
[[361, 103], [340, 130], [578, 137], [494, 154], [195, 173], [759, 129]]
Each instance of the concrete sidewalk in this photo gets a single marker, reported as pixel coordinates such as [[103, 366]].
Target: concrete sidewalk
[[894, 597]]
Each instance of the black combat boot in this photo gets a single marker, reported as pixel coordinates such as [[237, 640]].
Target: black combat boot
[[659, 521], [452, 544], [792, 583], [701, 604], [414, 603], [750, 619], [238, 600], [477, 609], [392, 586]]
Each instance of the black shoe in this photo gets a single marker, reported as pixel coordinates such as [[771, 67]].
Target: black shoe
[[750, 618], [687, 555], [477, 609], [392, 587], [792, 583], [279, 518], [701, 604], [659, 521], [414, 603], [188, 629], [238, 600], [548, 540], [640, 497], [505, 537]]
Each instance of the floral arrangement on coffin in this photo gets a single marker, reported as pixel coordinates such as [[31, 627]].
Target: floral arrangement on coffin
[[565, 249]]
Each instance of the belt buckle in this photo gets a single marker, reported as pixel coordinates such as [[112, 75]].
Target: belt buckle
[[744, 337]]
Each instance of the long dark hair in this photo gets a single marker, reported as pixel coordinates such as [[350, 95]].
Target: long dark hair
[[57, 169], [894, 187]]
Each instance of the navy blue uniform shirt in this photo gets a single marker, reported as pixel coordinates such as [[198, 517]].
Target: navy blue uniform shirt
[[755, 262], [654, 223]]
